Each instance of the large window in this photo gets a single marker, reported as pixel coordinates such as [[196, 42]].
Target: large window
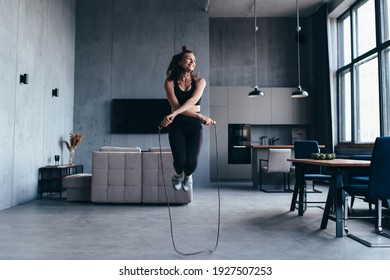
[[386, 20], [346, 106], [365, 38], [367, 100], [386, 90], [363, 73]]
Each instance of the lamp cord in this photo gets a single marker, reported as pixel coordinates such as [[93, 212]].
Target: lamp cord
[[210, 251], [299, 53], [254, 15]]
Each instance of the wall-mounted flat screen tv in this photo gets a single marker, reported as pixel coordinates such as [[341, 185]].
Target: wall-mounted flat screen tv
[[138, 116]]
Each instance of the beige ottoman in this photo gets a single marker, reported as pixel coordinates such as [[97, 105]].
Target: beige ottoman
[[78, 187]]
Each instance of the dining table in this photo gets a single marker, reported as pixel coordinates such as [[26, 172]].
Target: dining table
[[336, 167]]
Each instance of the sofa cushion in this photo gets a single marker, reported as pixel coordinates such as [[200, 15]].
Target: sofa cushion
[[157, 149], [155, 186], [120, 149], [117, 177]]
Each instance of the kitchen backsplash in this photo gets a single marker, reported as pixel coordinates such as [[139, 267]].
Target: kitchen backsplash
[[283, 132]]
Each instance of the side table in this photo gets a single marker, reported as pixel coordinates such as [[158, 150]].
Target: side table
[[50, 177]]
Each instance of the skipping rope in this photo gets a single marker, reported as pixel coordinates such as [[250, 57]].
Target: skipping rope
[[208, 251]]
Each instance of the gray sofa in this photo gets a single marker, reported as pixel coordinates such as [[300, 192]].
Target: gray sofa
[[128, 175], [153, 190]]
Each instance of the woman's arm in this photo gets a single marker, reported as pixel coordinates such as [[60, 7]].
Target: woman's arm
[[195, 112], [169, 91], [189, 108], [196, 95]]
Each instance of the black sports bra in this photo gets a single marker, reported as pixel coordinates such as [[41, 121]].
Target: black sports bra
[[183, 96]]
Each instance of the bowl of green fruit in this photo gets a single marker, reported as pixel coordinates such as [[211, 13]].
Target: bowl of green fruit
[[323, 156]]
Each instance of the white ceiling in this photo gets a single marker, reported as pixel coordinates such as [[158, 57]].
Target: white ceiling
[[264, 8]]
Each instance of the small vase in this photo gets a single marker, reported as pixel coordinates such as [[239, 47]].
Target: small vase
[[71, 153]]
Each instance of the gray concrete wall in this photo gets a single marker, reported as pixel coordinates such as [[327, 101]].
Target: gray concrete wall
[[37, 37], [232, 52], [123, 49]]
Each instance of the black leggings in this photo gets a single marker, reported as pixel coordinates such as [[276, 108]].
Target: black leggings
[[185, 138]]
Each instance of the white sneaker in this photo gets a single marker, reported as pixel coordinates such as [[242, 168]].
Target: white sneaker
[[176, 182], [187, 183]]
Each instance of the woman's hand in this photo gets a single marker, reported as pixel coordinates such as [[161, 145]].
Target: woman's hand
[[207, 121], [168, 120]]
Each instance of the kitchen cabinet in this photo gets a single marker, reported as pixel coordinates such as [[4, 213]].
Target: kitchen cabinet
[[260, 107], [282, 110], [219, 96], [276, 107], [239, 105], [243, 109], [302, 110], [231, 105], [219, 114], [240, 171]]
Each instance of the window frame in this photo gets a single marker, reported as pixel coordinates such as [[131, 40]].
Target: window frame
[[379, 50]]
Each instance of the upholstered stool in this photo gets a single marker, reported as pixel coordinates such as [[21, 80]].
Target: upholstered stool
[[78, 186]]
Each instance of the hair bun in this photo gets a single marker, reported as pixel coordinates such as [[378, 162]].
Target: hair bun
[[184, 48]]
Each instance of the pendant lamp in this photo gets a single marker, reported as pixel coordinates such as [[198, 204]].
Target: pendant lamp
[[256, 92], [299, 92]]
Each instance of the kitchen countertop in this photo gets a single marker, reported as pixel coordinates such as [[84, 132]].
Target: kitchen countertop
[[272, 146], [277, 146]]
